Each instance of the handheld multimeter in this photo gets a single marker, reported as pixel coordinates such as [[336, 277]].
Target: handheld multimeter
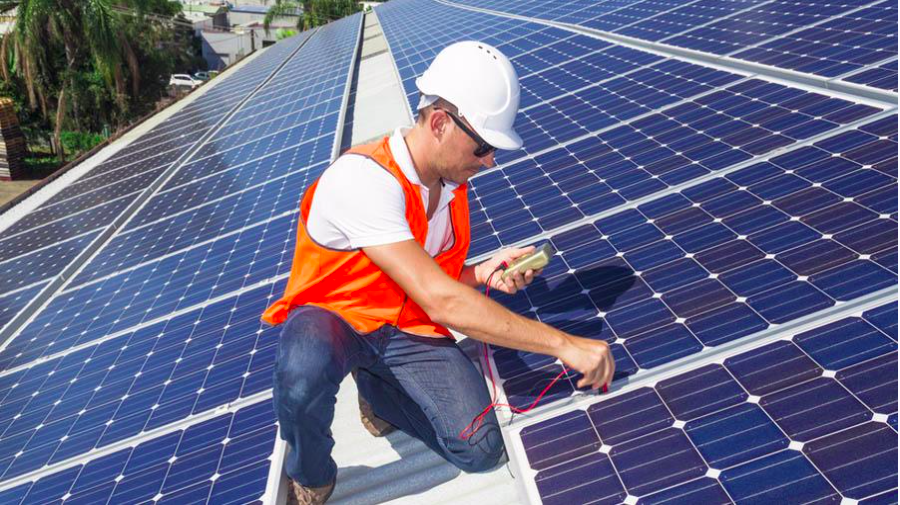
[[533, 261]]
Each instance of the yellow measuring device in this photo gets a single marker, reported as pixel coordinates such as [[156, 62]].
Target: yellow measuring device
[[536, 260]]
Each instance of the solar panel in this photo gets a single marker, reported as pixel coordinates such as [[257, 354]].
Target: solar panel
[[12, 303], [697, 211], [711, 222], [222, 460], [121, 380], [828, 40], [751, 425], [42, 264], [718, 261]]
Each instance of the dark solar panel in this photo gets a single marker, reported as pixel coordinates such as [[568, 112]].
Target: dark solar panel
[[757, 425]]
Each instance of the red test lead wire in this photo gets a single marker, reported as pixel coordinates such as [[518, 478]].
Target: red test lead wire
[[476, 423]]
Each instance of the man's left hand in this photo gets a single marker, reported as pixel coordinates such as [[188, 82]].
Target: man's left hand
[[513, 283]]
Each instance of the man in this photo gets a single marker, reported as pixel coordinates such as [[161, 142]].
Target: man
[[379, 276]]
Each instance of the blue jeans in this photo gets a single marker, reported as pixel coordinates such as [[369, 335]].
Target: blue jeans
[[426, 387]]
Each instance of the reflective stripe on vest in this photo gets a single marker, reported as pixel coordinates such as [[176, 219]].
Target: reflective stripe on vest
[[349, 284]]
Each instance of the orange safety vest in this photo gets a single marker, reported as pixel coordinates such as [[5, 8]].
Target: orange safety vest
[[352, 286]]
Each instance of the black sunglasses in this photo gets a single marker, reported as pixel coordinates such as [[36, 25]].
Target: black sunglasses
[[483, 148]]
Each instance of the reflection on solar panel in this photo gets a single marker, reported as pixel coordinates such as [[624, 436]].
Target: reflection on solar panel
[[833, 40], [148, 376], [732, 236], [702, 214]]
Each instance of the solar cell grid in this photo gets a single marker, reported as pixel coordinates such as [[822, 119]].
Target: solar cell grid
[[830, 48], [85, 196], [222, 184], [19, 241], [586, 109], [138, 154], [749, 427], [261, 146], [828, 40], [222, 460], [42, 264], [684, 18], [94, 181], [68, 210], [290, 158], [762, 243], [199, 224], [152, 344], [648, 155], [12, 303], [716, 262], [137, 382], [181, 281]]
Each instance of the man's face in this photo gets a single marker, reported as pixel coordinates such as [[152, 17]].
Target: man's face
[[456, 160]]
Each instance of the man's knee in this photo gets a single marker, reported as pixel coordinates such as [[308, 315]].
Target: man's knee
[[307, 362], [480, 453]]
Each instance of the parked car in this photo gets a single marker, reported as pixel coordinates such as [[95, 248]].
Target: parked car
[[184, 80], [202, 76]]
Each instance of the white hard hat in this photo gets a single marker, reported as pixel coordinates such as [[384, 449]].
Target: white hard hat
[[481, 82]]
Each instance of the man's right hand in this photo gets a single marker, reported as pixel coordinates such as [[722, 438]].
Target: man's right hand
[[590, 357]]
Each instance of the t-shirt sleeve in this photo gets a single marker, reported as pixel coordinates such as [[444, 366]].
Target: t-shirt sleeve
[[358, 202]]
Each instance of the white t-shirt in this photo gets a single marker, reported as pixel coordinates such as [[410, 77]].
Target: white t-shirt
[[360, 204]]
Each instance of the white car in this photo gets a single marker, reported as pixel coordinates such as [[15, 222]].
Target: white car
[[184, 80]]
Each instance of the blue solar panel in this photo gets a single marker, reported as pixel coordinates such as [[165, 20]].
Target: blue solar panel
[[691, 206], [13, 302], [649, 155], [748, 205], [828, 40], [156, 341], [20, 240], [42, 264], [136, 382], [719, 261], [882, 76], [222, 460], [773, 424]]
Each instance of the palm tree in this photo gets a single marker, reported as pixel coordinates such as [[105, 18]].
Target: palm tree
[[82, 31]]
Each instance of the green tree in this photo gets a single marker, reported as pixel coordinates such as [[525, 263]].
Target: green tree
[[60, 49], [312, 13]]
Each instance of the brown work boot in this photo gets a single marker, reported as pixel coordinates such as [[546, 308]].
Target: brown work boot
[[302, 495], [375, 425]]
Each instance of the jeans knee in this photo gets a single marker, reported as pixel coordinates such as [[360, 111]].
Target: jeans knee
[[482, 452], [307, 363], [479, 459]]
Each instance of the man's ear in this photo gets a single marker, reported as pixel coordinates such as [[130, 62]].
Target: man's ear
[[437, 124]]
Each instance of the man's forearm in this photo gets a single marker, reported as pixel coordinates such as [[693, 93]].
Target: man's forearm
[[469, 276], [485, 320]]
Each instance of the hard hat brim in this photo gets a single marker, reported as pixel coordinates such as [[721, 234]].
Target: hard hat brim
[[507, 140]]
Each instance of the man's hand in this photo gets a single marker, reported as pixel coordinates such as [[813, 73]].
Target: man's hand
[[590, 357], [513, 283]]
